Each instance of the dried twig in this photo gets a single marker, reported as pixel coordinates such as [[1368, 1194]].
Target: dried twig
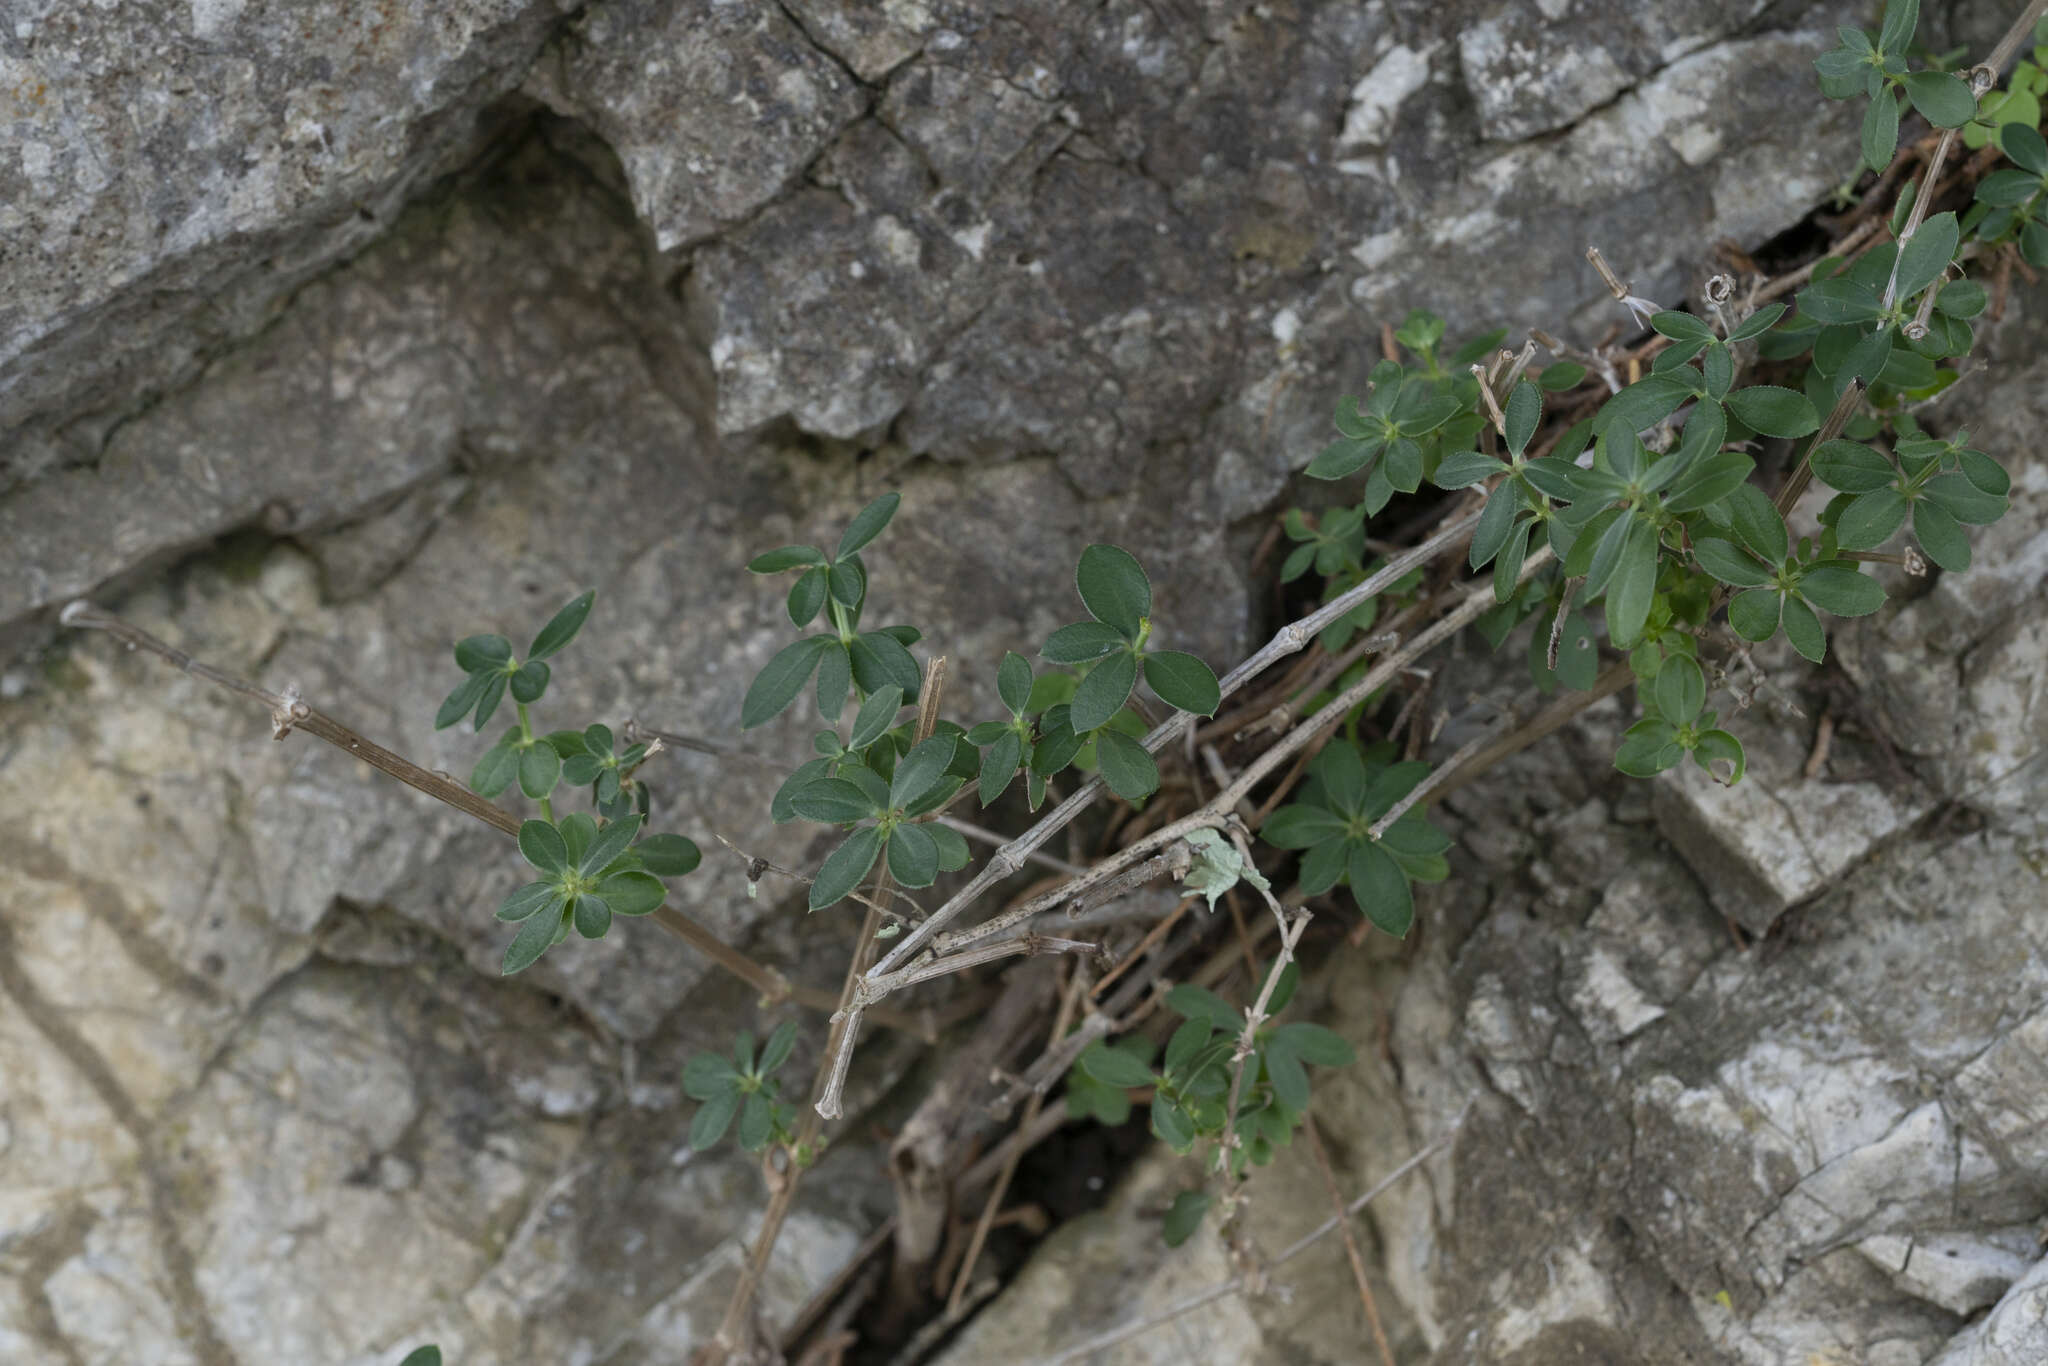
[[956, 1302], [1351, 1252]]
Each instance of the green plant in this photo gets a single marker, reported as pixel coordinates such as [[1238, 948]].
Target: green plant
[[1568, 486], [589, 871], [1340, 824], [744, 1086]]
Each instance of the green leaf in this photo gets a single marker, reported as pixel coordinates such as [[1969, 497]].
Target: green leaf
[[880, 659], [1299, 825], [1962, 299], [1927, 255], [713, 1117], [2025, 146], [1901, 17], [1880, 134], [1643, 404], [1342, 773], [458, 703], [1633, 586], [1680, 690], [2008, 188], [788, 557], [999, 765], [807, 597], [1648, 748], [848, 864], [921, 770], [757, 1122], [845, 582], [1344, 456], [776, 1051], [593, 916], [535, 938], [487, 701], [1316, 1045], [632, 893], [578, 830], [1170, 1124], [1837, 301], [1717, 748], [613, 837], [1524, 411], [1986, 475], [1964, 501], [1103, 692], [1774, 411], [1719, 370], [561, 628], [1114, 589], [1013, 682], [1851, 467], [1462, 469], [1081, 642], [913, 856], [529, 681], [541, 845], [1728, 564], [597, 739], [1507, 566], [778, 684], [1757, 323], [540, 768], [1390, 785], [429, 1355], [1680, 326], [1709, 481], [1183, 681], [1182, 1219], [952, 848], [876, 715], [529, 900], [475, 654], [1757, 524], [1126, 765], [1870, 519], [1114, 1066], [1560, 376], [1552, 476], [1941, 536], [668, 855], [1284, 1070], [1839, 589], [1188, 1040], [1380, 888], [834, 801], [868, 524], [1802, 628], [496, 770], [1199, 1003], [1496, 520], [1754, 614], [707, 1074], [1942, 97]]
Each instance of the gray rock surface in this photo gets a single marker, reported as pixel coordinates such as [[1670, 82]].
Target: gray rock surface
[[173, 172], [326, 338]]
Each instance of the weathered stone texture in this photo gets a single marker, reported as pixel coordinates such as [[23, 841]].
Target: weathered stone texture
[[329, 335]]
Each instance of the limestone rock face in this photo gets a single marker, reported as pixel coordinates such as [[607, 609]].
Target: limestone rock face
[[331, 334]]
